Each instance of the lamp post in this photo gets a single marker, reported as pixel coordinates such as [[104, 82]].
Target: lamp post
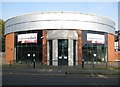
[[28, 55]]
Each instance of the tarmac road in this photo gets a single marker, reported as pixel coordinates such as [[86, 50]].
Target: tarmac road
[[55, 80], [56, 77]]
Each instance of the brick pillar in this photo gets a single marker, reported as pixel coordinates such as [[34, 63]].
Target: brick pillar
[[111, 49], [44, 47], [9, 48], [79, 46], [119, 40], [119, 45]]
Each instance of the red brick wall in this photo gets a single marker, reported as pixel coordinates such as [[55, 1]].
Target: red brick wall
[[119, 41], [118, 55], [79, 46], [111, 49], [44, 47], [9, 47]]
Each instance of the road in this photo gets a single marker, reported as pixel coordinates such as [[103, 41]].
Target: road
[[59, 77], [55, 80]]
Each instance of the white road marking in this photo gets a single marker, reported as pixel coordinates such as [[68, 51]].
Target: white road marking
[[102, 76]]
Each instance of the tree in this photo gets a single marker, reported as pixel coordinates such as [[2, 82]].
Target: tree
[[2, 36]]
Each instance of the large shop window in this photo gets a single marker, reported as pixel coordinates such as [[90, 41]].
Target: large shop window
[[94, 47], [28, 46], [93, 53]]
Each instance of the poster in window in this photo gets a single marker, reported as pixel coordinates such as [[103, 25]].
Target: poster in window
[[27, 38], [96, 38]]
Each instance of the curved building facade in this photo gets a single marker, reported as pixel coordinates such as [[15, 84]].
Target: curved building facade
[[60, 38]]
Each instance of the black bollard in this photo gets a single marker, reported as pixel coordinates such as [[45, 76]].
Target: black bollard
[[106, 65], [34, 63], [82, 63]]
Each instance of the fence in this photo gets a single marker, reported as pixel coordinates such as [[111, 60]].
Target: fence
[[86, 65]]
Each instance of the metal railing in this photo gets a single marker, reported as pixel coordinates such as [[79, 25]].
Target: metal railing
[[37, 64]]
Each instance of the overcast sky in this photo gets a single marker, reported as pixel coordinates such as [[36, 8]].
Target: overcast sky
[[107, 9]]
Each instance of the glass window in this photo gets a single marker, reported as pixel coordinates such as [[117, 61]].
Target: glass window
[[94, 52], [28, 51]]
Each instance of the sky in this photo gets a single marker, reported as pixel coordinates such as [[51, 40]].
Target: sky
[[107, 9]]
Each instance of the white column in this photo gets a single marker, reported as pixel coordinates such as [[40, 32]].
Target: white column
[[15, 53], [55, 53], [70, 52], [76, 52], [48, 53]]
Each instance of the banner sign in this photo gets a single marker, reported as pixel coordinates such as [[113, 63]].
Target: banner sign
[[96, 38], [27, 38]]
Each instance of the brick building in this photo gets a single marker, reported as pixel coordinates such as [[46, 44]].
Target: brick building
[[60, 38]]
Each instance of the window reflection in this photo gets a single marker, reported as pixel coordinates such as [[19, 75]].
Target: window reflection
[[34, 50], [94, 52]]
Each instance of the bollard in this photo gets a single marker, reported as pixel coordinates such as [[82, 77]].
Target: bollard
[[82, 63], [28, 62], [34, 63], [106, 65], [93, 64]]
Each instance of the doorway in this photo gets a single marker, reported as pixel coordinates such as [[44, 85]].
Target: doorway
[[62, 52]]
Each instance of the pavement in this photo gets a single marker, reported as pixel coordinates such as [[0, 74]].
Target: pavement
[[26, 74], [61, 71], [62, 76], [110, 69]]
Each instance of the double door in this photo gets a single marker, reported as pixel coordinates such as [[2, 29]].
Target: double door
[[62, 52]]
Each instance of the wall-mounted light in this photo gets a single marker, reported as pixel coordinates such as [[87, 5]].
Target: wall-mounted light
[[42, 37]]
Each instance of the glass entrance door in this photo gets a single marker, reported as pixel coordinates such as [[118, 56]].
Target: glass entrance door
[[62, 52]]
